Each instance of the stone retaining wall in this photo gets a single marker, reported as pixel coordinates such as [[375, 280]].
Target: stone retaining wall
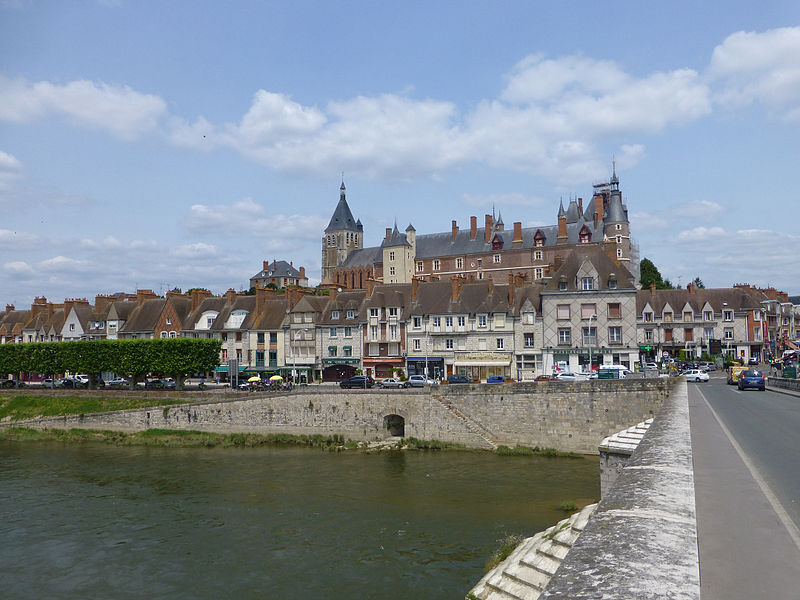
[[566, 416], [786, 384]]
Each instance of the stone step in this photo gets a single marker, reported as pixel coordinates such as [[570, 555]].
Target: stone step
[[529, 575]]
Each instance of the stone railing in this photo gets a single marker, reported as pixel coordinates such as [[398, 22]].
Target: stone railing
[[786, 384]]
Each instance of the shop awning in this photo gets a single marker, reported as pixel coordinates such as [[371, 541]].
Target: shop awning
[[224, 368]]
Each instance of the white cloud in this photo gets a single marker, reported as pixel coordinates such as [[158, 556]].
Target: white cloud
[[759, 67], [18, 268], [10, 170], [16, 239], [62, 264], [121, 111], [195, 250], [700, 234]]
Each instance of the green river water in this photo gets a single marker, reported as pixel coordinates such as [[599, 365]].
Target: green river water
[[97, 521]]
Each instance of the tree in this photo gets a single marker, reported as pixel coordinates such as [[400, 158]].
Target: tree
[[698, 283], [650, 274]]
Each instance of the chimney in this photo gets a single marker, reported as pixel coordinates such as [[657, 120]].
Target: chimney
[[333, 291], [511, 289], [388, 234], [230, 296], [142, 295], [487, 229], [101, 302], [691, 287], [414, 288], [454, 289], [473, 228], [266, 265], [562, 229], [199, 295], [274, 264], [598, 209], [9, 308], [302, 272], [261, 296], [580, 205], [490, 284], [39, 305], [68, 302], [516, 242], [454, 231], [370, 287]]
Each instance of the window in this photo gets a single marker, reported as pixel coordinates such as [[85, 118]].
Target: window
[[480, 263], [612, 284], [331, 350], [538, 255], [587, 283], [538, 242], [590, 336], [169, 321], [668, 317], [668, 335], [417, 322], [499, 342], [333, 332], [728, 333], [756, 317], [462, 321], [416, 344], [688, 334], [614, 310], [500, 320], [538, 272], [273, 358], [393, 311], [619, 239], [347, 351], [619, 252], [562, 311], [448, 322], [391, 271], [527, 318], [648, 317], [239, 355], [348, 332], [481, 320], [163, 334], [708, 333], [727, 315], [648, 335], [437, 322], [373, 332], [436, 264], [420, 266], [374, 349], [459, 263], [72, 326], [708, 315], [391, 255], [392, 332], [260, 338], [688, 315], [562, 285], [496, 259], [238, 336], [481, 343], [273, 338], [334, 314], [373, 312], [615, 335], [619, 227], [259, 358], [588, 311], [529, 340], [564, 335], [448, 343]]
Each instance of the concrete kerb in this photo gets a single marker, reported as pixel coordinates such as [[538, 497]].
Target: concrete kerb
[[642, 540]]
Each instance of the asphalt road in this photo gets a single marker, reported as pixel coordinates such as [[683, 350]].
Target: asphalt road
[[766, 425]]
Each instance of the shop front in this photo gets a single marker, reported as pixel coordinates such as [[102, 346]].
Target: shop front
[[479, 366], [380, 367], [435, 365]]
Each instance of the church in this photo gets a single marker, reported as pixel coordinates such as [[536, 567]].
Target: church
[[476, 253]]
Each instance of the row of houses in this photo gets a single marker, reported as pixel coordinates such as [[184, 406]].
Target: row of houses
[[588, 313]]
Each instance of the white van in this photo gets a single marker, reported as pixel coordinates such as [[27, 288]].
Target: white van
[[622, 370]]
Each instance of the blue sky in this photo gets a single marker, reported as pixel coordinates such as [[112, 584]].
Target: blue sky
[[180, 144]]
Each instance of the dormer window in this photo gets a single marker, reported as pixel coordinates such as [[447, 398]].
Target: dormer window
[[612, 284], [587, 283], [169, 321], [351, 314], [334, 314], [585, 235], [648, 317]]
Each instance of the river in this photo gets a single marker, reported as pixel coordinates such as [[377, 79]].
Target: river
[[98, 521]]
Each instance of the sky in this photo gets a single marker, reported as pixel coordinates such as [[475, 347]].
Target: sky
[[155, 145]]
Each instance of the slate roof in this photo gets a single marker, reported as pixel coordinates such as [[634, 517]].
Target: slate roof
[[344, 301], [435, 298], [392, 294], [602, 264], [737, 299], [246, 303], [279, 268], [342, 219], [271, 315], [215, 303], [396, 239], [364, 257], [143, 318], [14, 321]]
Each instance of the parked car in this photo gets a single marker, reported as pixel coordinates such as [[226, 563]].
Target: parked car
[[48, 383], [752, 379], [651, 365], [564, 376], [12, 383], [419, 381], [83, 379], [393, 382], [496, 379], [357, 381], [117, 381], [168, 383], [753, 361], [458, 378], [69, 383], [696, 375]]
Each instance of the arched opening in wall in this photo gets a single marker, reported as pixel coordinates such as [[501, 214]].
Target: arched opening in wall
[[395, 425]]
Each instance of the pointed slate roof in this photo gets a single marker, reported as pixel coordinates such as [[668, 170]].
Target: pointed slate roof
[[397, 239], [342, 219]]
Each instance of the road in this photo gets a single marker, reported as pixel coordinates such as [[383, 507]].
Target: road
[[747, 491]]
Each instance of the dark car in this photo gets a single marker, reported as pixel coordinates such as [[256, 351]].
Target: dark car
[[752, 379], [496, 379], [11, 383], [357, 381], [160, 384], [458, 378]]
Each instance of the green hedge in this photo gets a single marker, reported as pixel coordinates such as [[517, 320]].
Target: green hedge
[[133, 358]]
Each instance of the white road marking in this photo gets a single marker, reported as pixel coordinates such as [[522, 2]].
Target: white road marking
[[794, 532]]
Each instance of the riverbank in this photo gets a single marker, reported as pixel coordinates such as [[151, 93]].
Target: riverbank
[[19, 407]]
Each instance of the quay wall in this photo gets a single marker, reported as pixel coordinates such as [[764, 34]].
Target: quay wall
[[566, 416]]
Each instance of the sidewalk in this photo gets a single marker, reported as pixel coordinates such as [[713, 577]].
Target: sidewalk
[[745, 549]]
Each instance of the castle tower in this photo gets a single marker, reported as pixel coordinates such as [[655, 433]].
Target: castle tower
[[342, 235], [616, 227]]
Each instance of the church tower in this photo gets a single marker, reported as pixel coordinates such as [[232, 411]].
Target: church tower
[[342, 235]]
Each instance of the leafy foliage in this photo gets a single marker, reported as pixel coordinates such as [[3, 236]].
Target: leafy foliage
[[650, 274]]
